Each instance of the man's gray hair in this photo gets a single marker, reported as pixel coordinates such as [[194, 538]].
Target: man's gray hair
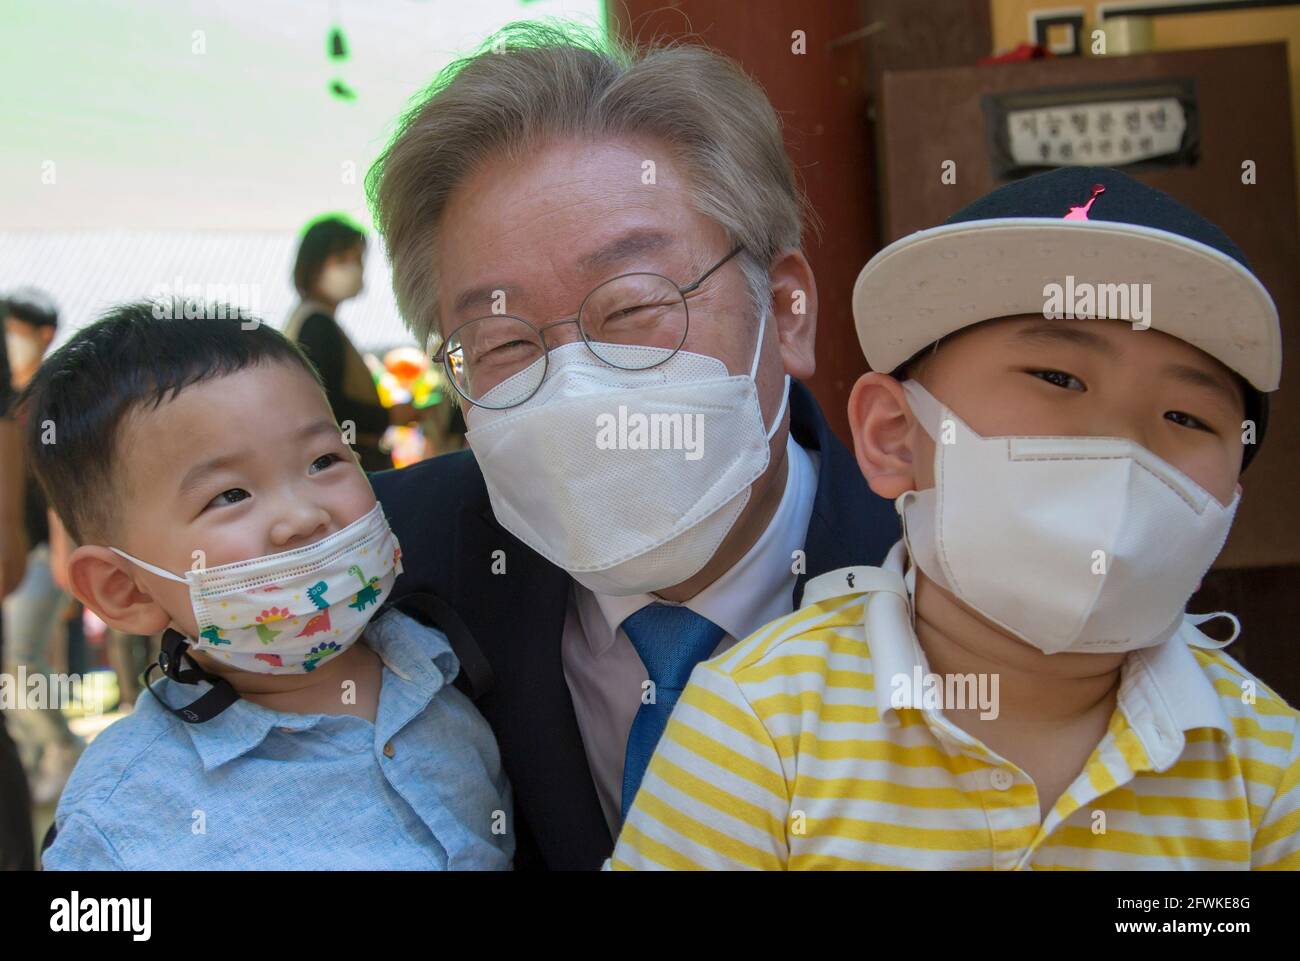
[[533, 82]]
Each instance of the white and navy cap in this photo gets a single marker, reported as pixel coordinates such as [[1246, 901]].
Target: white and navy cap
[[995, 257]]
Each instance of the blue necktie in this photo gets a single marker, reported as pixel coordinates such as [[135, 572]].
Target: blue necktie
[[670, 641]]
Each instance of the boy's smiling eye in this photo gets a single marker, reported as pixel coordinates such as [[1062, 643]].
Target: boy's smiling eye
[[1059, 378], [324, 461], [232, 496]]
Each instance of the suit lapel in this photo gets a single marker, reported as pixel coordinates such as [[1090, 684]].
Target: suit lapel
[[518, 619]]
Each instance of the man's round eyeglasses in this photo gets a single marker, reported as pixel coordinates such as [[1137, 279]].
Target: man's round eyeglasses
[[633, 322]]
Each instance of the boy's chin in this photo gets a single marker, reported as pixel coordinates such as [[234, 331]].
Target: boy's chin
[[209, 663]]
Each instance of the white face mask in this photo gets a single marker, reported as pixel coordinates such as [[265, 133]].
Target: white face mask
[[1084, 544], [338, 282], [23, 351], [570, 474], [286, 613]]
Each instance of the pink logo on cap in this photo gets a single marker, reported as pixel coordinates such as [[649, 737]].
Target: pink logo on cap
[[1081, 213]]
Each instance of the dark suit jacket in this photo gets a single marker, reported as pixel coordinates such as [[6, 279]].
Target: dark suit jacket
[[440, 511]]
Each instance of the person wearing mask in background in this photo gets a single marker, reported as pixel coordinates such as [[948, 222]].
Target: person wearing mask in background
[[16, 850], [32, 613], [328, 271]]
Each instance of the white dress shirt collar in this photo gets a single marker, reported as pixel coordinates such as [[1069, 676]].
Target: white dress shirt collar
[[1164, 691]]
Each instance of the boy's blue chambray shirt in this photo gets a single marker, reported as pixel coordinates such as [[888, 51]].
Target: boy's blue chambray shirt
[[421, 788]]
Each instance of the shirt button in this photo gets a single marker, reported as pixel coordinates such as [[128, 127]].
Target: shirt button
[[1001, 780], [388, 749]]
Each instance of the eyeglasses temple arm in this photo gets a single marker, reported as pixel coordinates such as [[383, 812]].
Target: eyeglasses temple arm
[[708, 273]]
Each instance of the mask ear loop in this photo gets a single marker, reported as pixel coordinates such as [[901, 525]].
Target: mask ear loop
[[149, 567], [926, 408], [1209, 643], [928, 412], [780, 411], [753, 372], [909, 576]]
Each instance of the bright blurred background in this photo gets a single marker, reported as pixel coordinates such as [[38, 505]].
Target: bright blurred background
[[153, 144]]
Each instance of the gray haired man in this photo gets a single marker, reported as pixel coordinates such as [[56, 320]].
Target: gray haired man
[[603, 247]]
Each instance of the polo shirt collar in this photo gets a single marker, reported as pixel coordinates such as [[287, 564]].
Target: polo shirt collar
[[421, 663], [889, 618], [1163, 692], [234, 732]]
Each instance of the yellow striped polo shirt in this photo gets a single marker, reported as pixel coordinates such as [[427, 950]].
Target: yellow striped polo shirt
[[797, 749]]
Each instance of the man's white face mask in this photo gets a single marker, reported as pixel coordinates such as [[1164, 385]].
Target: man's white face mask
[[1084, 544], [627, 479]]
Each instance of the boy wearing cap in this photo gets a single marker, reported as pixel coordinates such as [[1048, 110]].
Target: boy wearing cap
[[1017, 686]]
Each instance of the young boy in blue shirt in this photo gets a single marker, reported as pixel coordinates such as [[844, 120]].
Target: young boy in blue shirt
[[301, 724]]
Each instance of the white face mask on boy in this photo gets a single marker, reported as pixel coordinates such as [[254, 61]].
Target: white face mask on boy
[[1082, 544], [286, 613]]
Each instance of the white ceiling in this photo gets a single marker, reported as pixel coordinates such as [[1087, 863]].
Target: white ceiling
[[143, 132], [130, 158]]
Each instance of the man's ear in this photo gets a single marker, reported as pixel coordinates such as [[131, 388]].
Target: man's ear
[[884, 432], [794, 312], [99, 579]]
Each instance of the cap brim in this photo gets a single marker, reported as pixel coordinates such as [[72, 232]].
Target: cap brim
[[938, 281]]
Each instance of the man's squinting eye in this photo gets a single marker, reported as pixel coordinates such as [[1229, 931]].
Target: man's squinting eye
[[228, 497], [1059, 378], [324, 461]]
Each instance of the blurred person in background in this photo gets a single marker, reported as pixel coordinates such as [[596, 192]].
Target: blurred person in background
[[16, 850], [33, 611], [328, 270]]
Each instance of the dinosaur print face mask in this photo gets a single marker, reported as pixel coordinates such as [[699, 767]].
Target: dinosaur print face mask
[[286, 613]]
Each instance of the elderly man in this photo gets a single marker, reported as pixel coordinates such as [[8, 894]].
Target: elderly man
[[603, 248]]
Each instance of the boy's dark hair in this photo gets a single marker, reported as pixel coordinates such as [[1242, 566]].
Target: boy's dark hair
[[134, 356], [323, 239]]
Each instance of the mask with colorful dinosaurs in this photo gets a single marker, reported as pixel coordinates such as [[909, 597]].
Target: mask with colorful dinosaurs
[[286, 613]]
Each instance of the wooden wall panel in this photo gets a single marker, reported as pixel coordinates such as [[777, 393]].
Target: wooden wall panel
[[823, 98]]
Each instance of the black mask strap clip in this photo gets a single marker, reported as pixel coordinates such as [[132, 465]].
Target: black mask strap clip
[[171, 661]]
